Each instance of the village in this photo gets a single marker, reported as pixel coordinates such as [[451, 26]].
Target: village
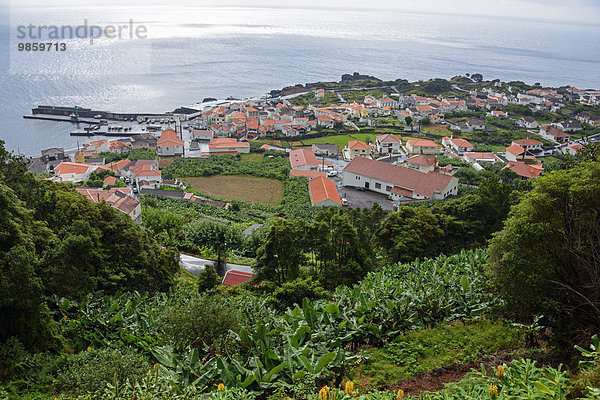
[[395, 164]]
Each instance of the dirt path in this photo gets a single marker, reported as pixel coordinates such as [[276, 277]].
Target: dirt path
[[433, 381]]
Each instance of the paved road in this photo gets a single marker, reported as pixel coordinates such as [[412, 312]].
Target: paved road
[[459, 89], [194, 265]]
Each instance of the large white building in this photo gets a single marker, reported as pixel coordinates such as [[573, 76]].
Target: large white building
[[398, 182]]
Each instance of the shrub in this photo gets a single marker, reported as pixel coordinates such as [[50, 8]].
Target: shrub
[[200, 320], [208, 279], [92, 370], [293, 292]]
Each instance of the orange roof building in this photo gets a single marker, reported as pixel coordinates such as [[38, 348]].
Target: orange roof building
[[228, 146], [307, 174], [303, 159], [323, 193], [423, 146], [233, 278], [402, 183], [74, 172], [525, 171], [117, 197], [169, 144]]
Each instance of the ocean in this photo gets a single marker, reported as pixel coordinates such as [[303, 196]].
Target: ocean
[[199, 51]]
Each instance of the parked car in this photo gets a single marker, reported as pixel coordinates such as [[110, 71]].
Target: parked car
[[332, 173], [344, 201], [135, 190]]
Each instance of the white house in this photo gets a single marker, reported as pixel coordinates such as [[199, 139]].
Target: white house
[[529, 144], [423, 146], [228, 146], [527, 123], [458, 145], [148, 179], [479, 157], [552, 133], [304, 159], [169, 144], [356, 148], [518, 153], [421, 163], [326, 121], [388, 144], [398, 182], [74, 172], [569, 126], [323, 193]]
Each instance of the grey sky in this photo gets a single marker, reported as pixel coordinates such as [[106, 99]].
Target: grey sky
[[567, 10]]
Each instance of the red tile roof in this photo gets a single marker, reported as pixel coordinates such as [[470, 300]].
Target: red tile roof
[[110, 180], [117, 197], [219, 143], [461, 142], [233, 278], [515, 149], [422, 143], [72, 168], [482, 156], [524, 170], [553, 131], [388, 138], [527, 142], [324, 118], [422, 160], [358, 145], [308, 174], [424, 184], [147, 172], [322, 189], [300, 157], [169, 136]]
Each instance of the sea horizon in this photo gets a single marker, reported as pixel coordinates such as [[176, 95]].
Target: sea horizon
[[197, 52]]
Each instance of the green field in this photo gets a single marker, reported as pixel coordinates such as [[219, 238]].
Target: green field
[[250, 189]]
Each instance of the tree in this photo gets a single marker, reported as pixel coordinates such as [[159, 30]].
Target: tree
[[20, 288], [208, 279], [53, 241], [217, 236], [293, 292], [477, 78], [546, 259], [282, 253], [409, 233], [408, 119]]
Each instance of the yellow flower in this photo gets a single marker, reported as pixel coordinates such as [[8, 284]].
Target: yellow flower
[[89, 349], [155, 366], [500, 371], [323, 393], [349, 388], [493, 389], [400, 394], [65, 318], [220, 387]]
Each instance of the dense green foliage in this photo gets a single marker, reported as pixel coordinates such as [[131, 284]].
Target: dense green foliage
[[427, 349], [264, 348], [56, 242], [134, 155], [274, 165], [546, 258]]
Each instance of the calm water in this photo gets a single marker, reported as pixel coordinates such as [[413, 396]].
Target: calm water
[[197, 52]]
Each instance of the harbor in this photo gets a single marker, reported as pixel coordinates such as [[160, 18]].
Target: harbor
[[109, 124]]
